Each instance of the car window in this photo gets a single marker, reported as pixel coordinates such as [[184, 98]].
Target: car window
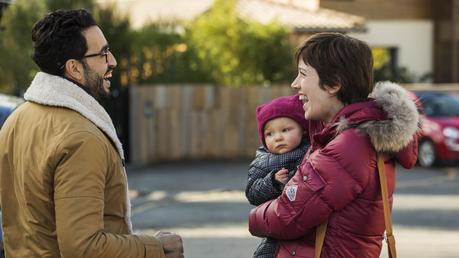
[[4, 113], [8, 103], [441, 105]]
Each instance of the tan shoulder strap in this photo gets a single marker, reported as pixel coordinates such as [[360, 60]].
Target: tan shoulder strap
[[390, 239], [320, 237]]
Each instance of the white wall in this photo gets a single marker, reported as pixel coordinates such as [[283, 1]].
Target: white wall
[[414, 40], [141, 12]]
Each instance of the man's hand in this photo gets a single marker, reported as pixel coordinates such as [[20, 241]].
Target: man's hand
[[172, 244], [281, 176]]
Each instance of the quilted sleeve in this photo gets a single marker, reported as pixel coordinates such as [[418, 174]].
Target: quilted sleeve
[[408, 156], [260, 186]]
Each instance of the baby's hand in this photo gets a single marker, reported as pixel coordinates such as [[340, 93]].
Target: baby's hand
[[281, 176]]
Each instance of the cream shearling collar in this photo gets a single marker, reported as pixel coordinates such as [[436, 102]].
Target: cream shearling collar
[[51, 90]]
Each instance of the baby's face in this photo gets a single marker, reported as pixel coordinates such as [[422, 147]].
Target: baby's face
[[282, 135]]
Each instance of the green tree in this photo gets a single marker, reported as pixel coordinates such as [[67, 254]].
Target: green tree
[[238, 52], [117, 30], [16, 66], [267, 54], [161, 55]]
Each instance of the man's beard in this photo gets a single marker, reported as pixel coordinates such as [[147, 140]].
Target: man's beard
[[95, 83]]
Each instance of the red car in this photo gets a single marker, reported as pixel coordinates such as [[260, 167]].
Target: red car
[[440, 139]]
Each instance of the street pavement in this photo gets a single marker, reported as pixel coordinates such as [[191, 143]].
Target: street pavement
[[204, 202]]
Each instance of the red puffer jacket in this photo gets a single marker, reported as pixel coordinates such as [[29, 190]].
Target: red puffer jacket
[[338, 180]]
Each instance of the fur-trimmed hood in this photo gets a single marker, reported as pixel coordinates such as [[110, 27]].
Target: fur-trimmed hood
[[389, 131]]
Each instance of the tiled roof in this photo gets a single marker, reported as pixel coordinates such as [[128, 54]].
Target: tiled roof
[[263, 11], [301, 19]]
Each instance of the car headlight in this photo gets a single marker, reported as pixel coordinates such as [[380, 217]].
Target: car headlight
[[451, 132]]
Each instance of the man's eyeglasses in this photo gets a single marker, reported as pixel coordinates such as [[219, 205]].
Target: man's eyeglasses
[[105, 52]]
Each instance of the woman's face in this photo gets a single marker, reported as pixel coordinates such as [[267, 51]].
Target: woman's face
[[318, 104]]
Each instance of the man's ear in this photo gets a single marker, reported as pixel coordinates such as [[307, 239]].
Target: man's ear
[[74, 70]]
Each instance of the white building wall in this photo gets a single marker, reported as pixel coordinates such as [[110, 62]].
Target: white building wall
[[414, 40]]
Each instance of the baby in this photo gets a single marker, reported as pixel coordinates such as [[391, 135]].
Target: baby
[[282, 130]]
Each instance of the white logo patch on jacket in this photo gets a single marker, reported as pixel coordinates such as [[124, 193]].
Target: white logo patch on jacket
[[291, 192]]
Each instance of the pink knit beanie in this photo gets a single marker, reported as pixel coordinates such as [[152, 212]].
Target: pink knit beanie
[[285, 106]]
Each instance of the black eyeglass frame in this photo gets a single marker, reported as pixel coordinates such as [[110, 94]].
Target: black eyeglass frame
[[105, 52]]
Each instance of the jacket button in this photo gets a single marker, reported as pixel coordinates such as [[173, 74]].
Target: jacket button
[[293, 253], [305, 178]]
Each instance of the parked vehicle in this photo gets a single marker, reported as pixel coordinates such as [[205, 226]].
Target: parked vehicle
[[440, 138], [7, 105]]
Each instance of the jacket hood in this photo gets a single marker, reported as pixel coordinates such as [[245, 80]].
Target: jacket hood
[[390, 130]]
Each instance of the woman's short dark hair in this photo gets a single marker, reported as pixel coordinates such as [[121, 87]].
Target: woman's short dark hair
[[340, 60], [57, 38]]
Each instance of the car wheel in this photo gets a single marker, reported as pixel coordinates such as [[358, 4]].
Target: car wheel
[[427, 155]]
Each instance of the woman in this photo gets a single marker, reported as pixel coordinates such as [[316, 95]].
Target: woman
[[337, 181]]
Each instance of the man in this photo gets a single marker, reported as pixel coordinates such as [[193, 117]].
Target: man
[[63, 183]]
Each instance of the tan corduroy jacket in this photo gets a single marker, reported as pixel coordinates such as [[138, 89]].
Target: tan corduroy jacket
[[63, 189]]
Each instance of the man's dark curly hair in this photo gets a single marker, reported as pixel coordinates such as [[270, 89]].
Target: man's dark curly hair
[[57, 38]]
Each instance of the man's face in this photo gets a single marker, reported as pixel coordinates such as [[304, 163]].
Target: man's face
[[97, 68]]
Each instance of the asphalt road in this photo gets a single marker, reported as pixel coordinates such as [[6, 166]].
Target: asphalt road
[[205, 203]]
